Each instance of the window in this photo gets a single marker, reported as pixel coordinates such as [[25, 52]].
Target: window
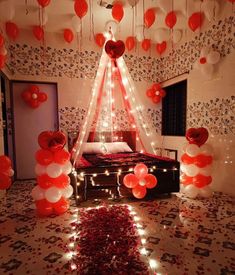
[[174, 109]]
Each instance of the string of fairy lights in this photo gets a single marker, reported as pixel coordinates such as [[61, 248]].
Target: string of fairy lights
[[71, 247]]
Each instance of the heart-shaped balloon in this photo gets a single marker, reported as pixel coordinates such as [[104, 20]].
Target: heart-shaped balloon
[[197, 135], [52, 141], [115, 49]]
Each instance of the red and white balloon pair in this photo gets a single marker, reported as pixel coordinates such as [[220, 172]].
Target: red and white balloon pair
[[140, 181], [52, 169], [196, 164]]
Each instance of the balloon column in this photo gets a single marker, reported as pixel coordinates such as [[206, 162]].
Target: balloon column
[[3, 52], [33, 97], [208, 58], [6, 172], [156, 93], [196, 164], [140, 180], [52, 169]]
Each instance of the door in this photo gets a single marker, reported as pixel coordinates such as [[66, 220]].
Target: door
[[29, 122]]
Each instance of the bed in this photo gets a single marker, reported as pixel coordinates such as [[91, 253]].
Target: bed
[[101, 173]]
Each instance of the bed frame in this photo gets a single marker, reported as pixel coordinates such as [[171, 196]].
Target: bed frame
[[96, 182]]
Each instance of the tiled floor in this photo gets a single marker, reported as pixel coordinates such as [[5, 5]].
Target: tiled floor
[[184, 236]]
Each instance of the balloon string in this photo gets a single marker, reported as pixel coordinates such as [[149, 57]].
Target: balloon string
[[90, 35], [26, 7]]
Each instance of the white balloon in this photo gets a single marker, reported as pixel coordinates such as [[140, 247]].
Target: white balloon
[[183, 167], [139, 33], [7, 11], [76, 23], [53, 194], [213, 57], [165, 5], [207, 69], [206, 171], [191, 191], [177, 35], [67, 167], [206, 149], [54, 170], [192, 150], [161, 35], [206, 192], [204, 51], [38, 193], [210, 9], [40, 169], [112, 26], [191, 170], [133, 2], [11, 172], [3, 51], [67, 191], [44, 17]]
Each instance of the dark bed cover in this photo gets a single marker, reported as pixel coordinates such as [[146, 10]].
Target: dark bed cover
[[124, 159]]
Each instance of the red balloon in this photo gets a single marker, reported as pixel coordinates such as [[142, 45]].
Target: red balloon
[[62, 181], [162, 93], [150, 92], [197, 135], [115, 49], [26, 95], [44, 207], [5, 181], [52, 141], [61, 156], [161, 47], [34, 89], [44, 3], [81, 8], [100, 39], [117, 12], [2, 60], [5, 163], [231, 1], [68, 35], [130, 42], [140, 170], [34, 103], [171, 19], [156, 99], [186, 180], [1, 40], [61, 206], [139, 191], [44, 157], [149, 18], [38, 32], [186, 159], [146, 44], [195, 21], [201, 181], [44, 181], [12, 30], [202, 160], [151, 181], [156, 86], [42, 97], [130, 180]]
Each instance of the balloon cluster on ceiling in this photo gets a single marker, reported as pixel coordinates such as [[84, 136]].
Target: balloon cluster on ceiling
[[208, 9]]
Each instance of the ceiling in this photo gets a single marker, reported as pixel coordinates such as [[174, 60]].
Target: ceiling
[[59, 14]]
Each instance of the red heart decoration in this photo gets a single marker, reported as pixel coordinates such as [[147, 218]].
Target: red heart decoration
[[52, 141], [197, 135], [161, 47], [115, 49]]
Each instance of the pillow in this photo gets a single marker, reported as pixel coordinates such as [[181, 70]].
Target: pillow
[[94, 148], [117, 147]]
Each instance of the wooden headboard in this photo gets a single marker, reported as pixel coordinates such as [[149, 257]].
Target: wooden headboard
[[127, 136]]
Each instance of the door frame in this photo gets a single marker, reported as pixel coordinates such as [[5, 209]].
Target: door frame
[[12, 81]]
